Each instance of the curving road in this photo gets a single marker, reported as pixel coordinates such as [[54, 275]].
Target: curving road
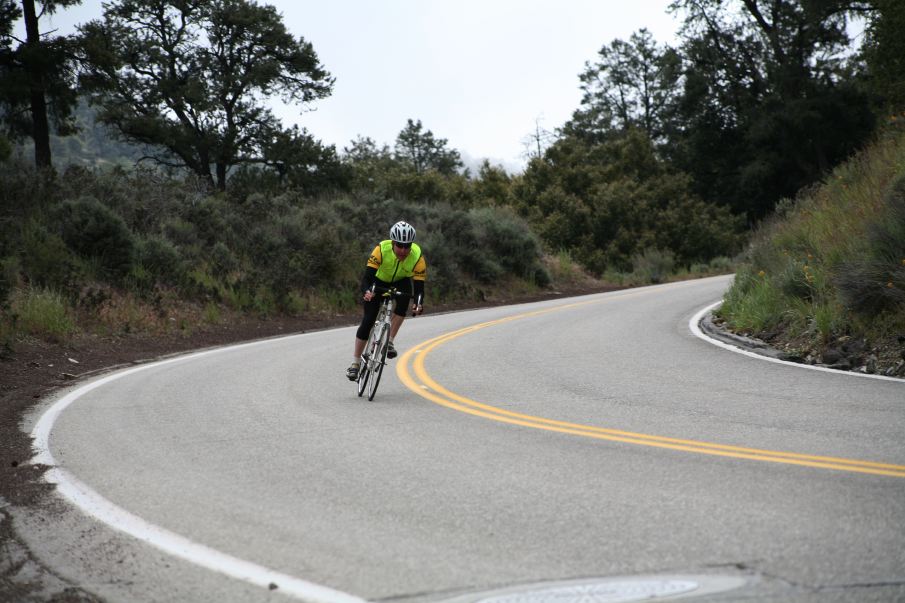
[[593, 437]]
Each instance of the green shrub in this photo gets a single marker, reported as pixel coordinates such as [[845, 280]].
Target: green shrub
[[753, 304], [827, 319], [273, 259], [92, 230], [42, 313], [443, 262], [212, 218], [721, 265], [248, 181], [45, 259], [6, 148], [182, 233], [236, 297], [212, 314], [9, 278], [794, 280], [653, 265], [223, 261], [426, 186], [870, 287], [263, 302], [161, 259], [875, 282], [696, 231], [563, 269], [483, 268], [139, 280], [203, 283], [316, 235], [508, 241], [25, 191], [259, 206]]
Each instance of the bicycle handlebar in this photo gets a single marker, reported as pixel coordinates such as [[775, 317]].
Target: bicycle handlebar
[[394, 292]]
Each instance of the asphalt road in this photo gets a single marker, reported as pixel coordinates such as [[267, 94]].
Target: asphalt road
[[595, 437]]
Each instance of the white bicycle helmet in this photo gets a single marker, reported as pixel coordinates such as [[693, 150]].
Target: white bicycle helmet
[[402, 232]]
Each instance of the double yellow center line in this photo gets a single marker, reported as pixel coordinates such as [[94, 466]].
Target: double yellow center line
[[412, 373]]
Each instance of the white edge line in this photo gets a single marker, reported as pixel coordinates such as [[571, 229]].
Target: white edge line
[[95, 505], [693, 324]]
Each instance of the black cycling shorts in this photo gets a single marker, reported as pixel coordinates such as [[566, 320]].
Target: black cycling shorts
[[372, 307]]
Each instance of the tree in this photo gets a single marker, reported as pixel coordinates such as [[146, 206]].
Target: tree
[[369, 164], [9, 14], [771, 98], [37, 77], [884, 51], [493, 186], [421, 151], [190, 77], [633, 85], [301, 160], [365, 154], [538, 141], [609, 201]]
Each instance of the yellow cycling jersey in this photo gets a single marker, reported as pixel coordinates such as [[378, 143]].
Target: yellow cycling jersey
[[390, 269]]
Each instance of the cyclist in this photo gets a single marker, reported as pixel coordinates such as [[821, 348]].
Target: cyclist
[[398, 262]]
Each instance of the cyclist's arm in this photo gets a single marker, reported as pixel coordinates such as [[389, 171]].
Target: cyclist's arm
[[419, 272], [418, 279], [376, 258], [368, 278], [370, 273]]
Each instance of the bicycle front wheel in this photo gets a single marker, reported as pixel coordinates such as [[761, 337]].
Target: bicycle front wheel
[[368, 360], [380, 360], [363, 374]]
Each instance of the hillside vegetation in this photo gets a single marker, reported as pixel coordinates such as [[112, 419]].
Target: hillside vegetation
[[825, 277], [115, 252]]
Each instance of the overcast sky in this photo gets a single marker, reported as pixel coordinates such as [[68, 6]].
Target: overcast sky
[[476, 72]]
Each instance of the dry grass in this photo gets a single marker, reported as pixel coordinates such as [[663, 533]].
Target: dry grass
[[812, 269]]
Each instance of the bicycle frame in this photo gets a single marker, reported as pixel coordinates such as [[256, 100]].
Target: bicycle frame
[[373, 359]]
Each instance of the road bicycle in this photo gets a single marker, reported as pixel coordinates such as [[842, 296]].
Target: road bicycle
[[374, 357]]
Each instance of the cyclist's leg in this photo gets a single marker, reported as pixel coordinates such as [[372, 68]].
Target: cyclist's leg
[[369, 316], [395, 325], [399, 312], [402, 306], [371, 309], [359, 347]]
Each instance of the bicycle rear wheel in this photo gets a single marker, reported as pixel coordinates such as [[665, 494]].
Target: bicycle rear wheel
[[380, 360]]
